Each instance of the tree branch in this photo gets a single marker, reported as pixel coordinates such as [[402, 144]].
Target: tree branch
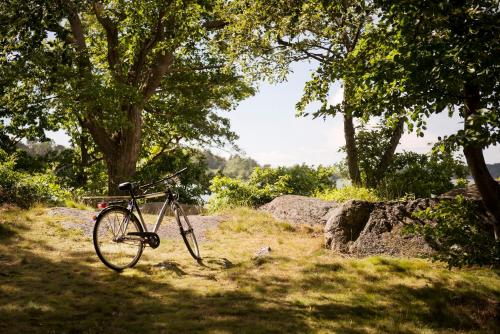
[[98, 132], [196, 68], [316, 56], [147, 46], [388, 154], [103, 140], [214, 25], [358, 32], [76, 29], [164, 148], [112, 38], [161, 67]]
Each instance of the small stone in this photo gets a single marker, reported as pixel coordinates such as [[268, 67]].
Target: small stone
[[226, 264], [263, 251]]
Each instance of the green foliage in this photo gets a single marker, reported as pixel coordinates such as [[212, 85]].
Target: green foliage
[[269, 35], [236, 166], [347, 193], [299, 179], [27, 189], [265, 184], [194, 182], [138, 77], [228, 193], [421, 175], [84, 180], [461, 182], [376, 146], [239, 167], [423, 57], [456, 230]]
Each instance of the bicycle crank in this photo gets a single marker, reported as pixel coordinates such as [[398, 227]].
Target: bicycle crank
[[151, 238]]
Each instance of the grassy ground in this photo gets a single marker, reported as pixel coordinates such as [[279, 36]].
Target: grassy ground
[[52, 281]]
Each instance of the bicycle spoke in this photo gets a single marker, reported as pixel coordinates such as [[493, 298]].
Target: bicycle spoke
[[114, 247]]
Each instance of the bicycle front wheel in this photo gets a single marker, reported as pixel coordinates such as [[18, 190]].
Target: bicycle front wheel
[[114, 247], [187, 231]]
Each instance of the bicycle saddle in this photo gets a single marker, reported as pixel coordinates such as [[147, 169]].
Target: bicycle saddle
[[125, 186]]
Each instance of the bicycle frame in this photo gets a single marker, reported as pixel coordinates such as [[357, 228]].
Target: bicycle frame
[[132, 204]]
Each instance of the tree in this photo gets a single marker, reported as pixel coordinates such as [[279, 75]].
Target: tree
[[238, 167], [270, 35], [420, 175], [378, 153], [431, 56], [110, 68]]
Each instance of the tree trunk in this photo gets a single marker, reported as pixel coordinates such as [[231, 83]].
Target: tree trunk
[[121, 161], [84, 160], [351, 150], [386, 159], [350, 143], [121, 168], [121, 149], [487, 186]]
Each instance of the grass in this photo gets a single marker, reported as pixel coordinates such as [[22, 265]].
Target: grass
[[347, 193], [52, 281], [77, 205]]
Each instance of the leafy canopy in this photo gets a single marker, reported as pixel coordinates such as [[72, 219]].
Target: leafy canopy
[[421, 57]]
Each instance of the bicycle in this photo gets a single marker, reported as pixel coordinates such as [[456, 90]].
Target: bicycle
[[120, 237]]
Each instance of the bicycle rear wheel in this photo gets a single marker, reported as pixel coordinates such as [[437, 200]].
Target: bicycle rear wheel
[[114, 247], [187, 231]]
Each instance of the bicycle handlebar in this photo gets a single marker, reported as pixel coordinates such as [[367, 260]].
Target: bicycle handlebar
[[163, 180]]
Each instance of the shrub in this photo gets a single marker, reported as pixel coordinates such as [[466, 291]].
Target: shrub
[[421, 175], [230, 193], [456, 230], [24, 189], [265, 184], [347, 193]]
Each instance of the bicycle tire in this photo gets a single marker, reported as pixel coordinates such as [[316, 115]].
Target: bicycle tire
[[136, 245], [187, 231]]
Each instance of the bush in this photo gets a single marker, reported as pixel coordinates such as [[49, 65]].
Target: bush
[[421, 175], [348, 193], [265, 184], [24, 190], [456, 230], [298, 179]]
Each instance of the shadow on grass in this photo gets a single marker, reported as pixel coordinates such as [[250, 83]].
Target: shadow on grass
[[40, 295], [217, 263], [6, 232], [374, 302], [72, 295]]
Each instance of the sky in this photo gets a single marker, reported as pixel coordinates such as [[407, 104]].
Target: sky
[[270, 133]]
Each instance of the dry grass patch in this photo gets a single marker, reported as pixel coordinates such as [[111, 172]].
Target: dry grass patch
[[52, 281]]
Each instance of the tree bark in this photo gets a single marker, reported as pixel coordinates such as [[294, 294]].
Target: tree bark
[[84, 160], [487, 186], [121, 161], [386, 159], [351, 150], [350, 142]]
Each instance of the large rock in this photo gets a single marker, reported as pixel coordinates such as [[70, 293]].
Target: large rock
[[470, 192], [382, 233], [300, 209], [346, 223], [362, 228]]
